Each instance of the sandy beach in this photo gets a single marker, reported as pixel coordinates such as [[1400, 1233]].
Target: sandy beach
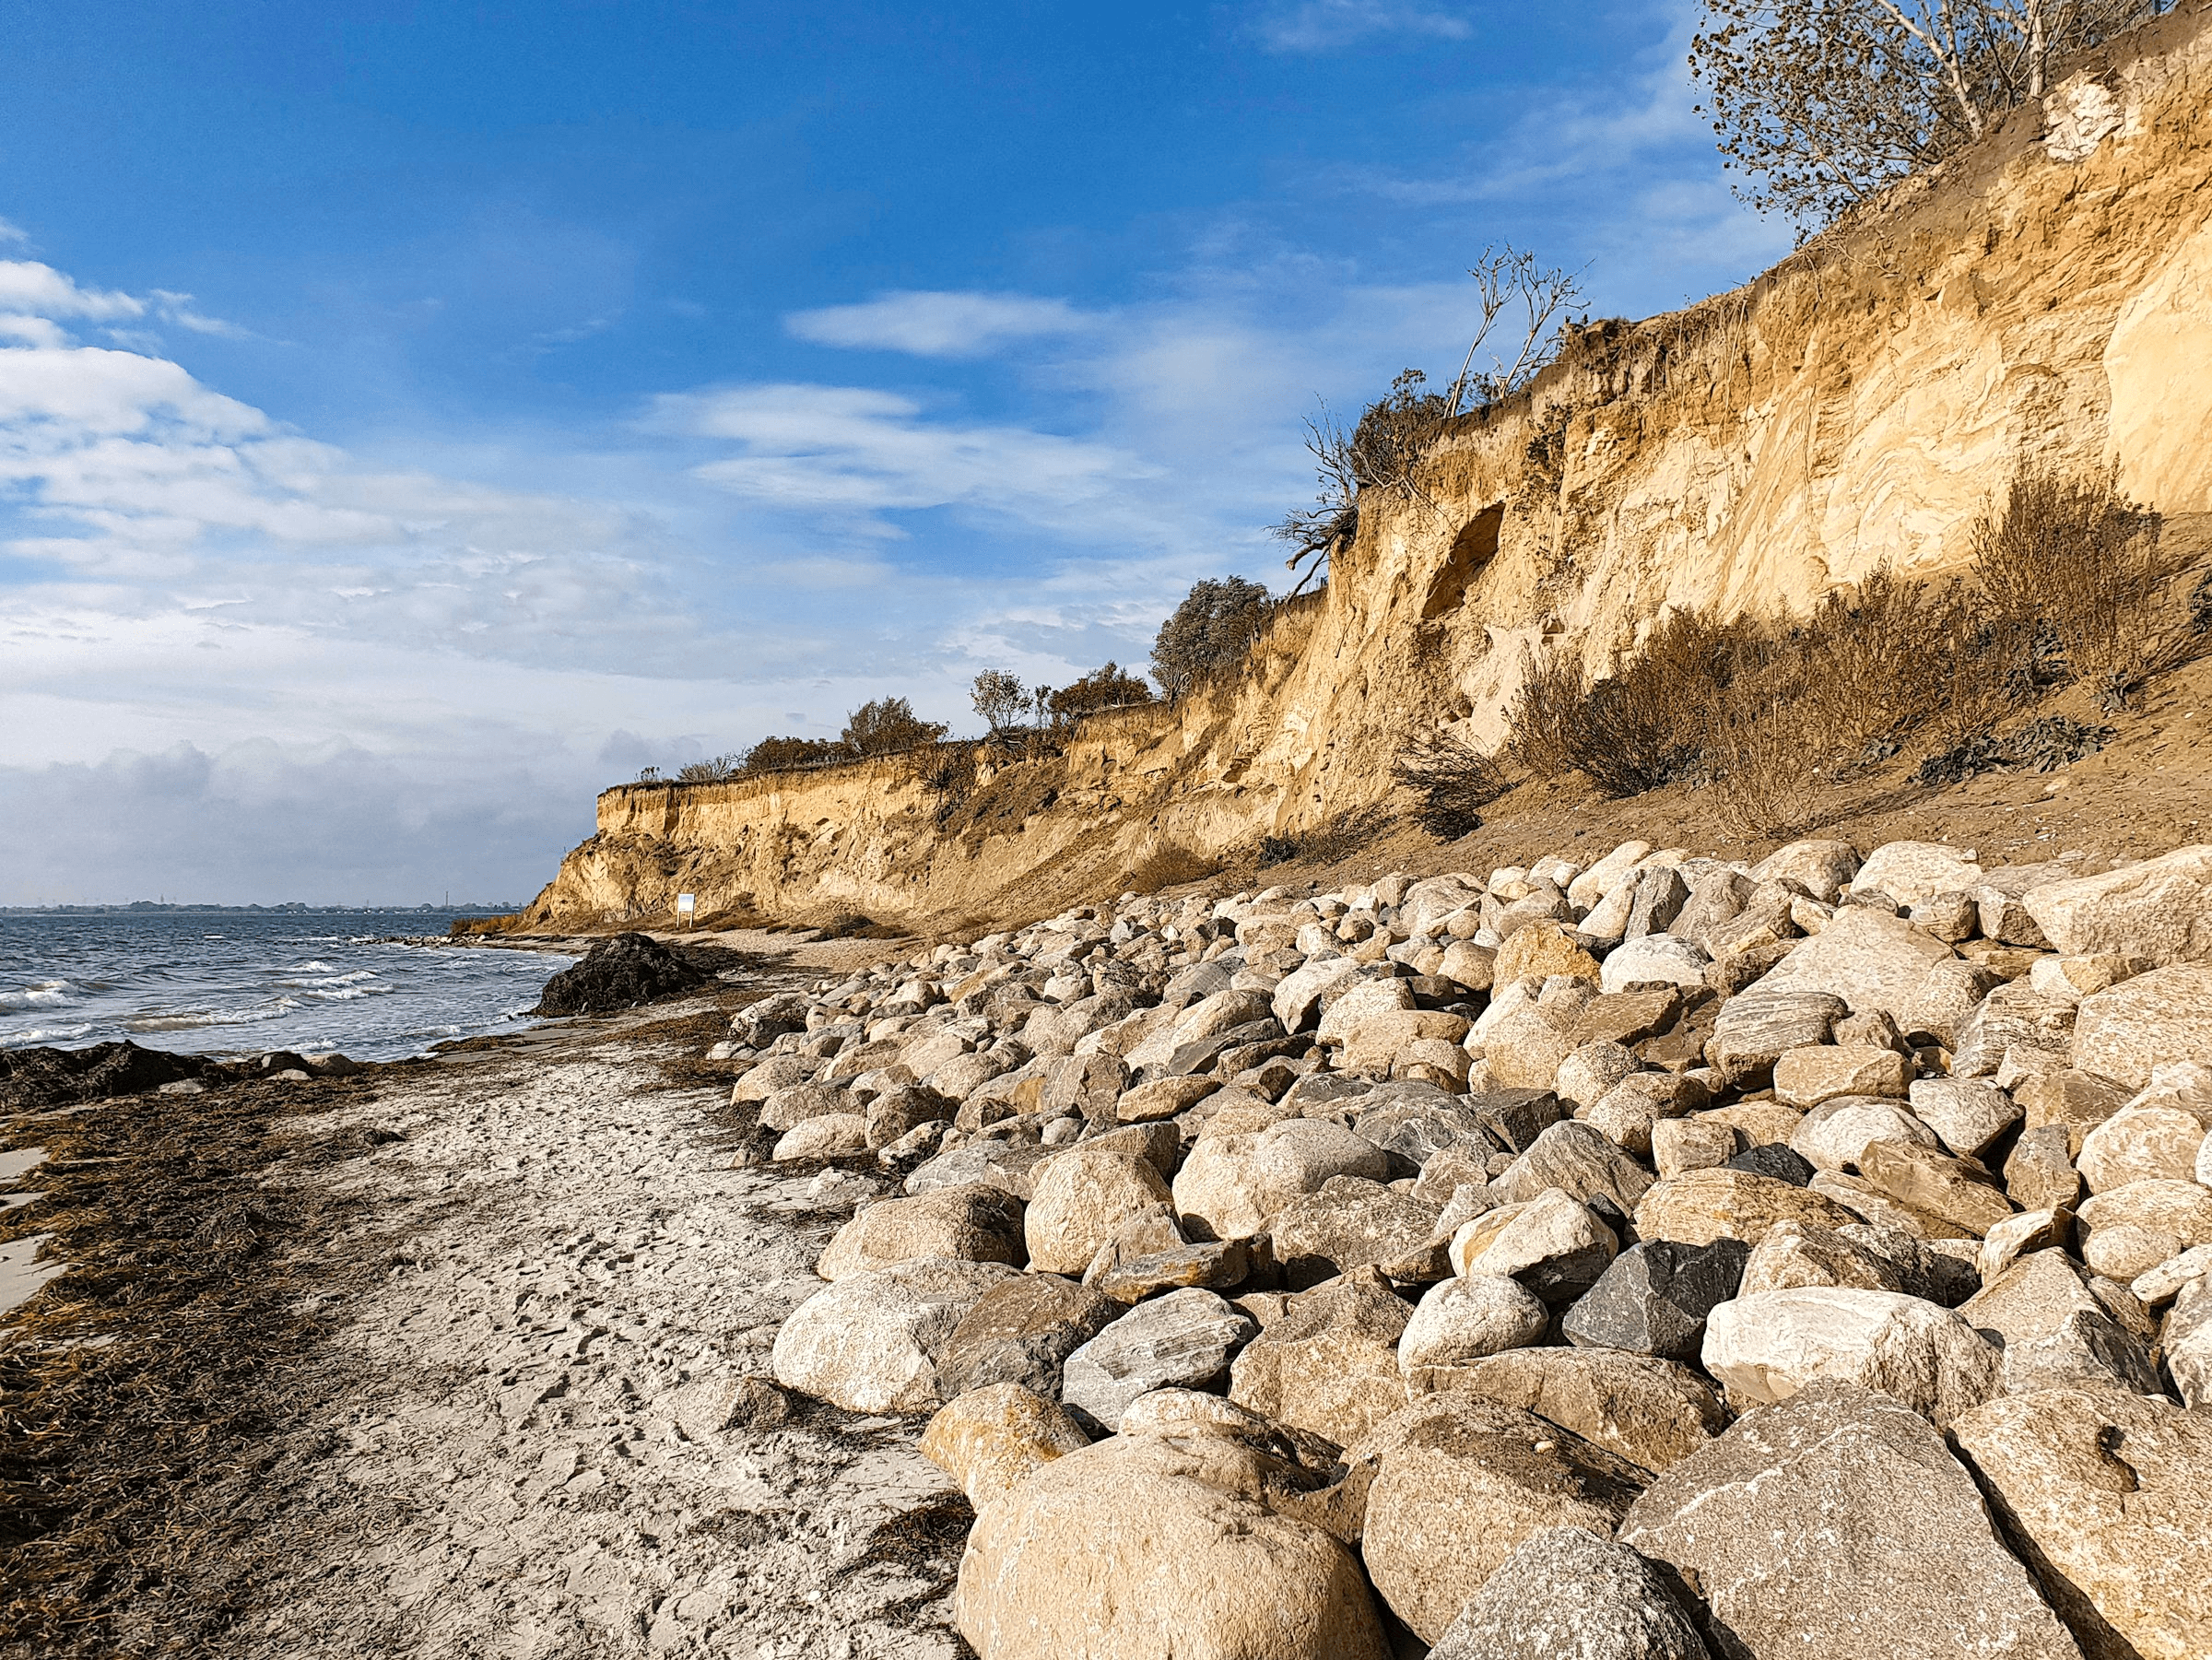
[[518, 1426]]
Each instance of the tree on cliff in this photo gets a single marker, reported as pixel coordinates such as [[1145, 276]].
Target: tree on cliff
[[1383, 453], [888, 726], [1108, 687], [1821, 105], [1211, 632], [1000, 699]]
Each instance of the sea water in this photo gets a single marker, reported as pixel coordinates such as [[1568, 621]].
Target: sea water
[[240, 984]]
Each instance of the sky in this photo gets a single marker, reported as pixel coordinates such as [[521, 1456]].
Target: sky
[[415, 418]]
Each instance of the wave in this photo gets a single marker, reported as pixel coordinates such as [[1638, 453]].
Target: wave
[[39, 993], [311, 967], [213, 1017], [44, 1034]]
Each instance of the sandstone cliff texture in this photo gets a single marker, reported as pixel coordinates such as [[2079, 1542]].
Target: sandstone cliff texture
[[2044, 300]]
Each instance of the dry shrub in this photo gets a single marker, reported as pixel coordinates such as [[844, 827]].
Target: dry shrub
[[2087, 563], [1172, 865], [1764, 746], [1643, 725], [1454, 780], [1545, 715]]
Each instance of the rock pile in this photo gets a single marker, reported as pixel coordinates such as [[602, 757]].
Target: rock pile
[[622, 970], [1658, 1256]]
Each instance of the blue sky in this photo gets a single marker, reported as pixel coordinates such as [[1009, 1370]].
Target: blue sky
[[415, 417]]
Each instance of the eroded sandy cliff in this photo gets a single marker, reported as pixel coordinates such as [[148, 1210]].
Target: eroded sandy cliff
[[2045, 299]]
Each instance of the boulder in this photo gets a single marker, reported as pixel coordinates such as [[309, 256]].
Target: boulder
[[2129, 1231], [1820, 867], [1523, 1048], [973, 1222], [1372, 1043], [1021, 1331], [787, 1108], [1462, 1320], [1296, 1003], [1084, 1085], [1541, 950], [1945, 999], [1568, 1592], [2106, 1494], [1869, 959], [1600, 879], [2015, 1019], [1650, 1411], [2160, 908], [2040, 1173], [2053, 1333], [1768, 1347], [1163, 1098], [1460, 1481], [1839, 1525], [1582, 1163], [1469, 965], [1182, 1340], [2186, 1338], [989, 1439], [1626, 1017], [1590, 1069], [1655, 1298], [1627, 1114], [1816, 1073], [1659, 897], [1795, 1255], [1702, 1206], [1967, 1114], [1754, 1029], [1957, 1191], [1353, 1222], [1360, 1001], [2079, 1100], [1552, 1245], [1129, 1272], [1910, 872], [1655, 960], [832, 1135], [1134, 1546], [1697, 1142], [1080, 1199], [1836, 1134], [2141, 1144], [870, 1343], [1330, 1363], [1232, 1186]]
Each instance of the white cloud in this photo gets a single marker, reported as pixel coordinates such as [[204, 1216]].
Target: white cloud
[[856, 451], [178, 309], [1326, 25], [12, 232], [26, 286], [940, 325]]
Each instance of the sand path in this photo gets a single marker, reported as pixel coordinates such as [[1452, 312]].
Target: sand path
[[575, 1266]]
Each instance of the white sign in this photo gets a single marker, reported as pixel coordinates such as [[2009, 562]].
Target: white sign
[[685, 903]]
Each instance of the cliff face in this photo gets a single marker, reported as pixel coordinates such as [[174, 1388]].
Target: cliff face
[[2045, 299]]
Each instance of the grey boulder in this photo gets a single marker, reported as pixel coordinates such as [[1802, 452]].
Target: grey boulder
[[1568, 1593]]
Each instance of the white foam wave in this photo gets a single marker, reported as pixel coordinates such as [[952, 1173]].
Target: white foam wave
[[213, 1017], [39, 993], [44, 1034]]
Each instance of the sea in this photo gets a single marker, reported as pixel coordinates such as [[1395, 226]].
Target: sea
[[372, 985]]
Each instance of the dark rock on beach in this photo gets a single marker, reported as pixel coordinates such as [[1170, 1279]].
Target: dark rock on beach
[[620, 972]]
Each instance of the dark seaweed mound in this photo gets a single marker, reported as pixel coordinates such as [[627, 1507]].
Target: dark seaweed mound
[[621, 971], [37, 1078]]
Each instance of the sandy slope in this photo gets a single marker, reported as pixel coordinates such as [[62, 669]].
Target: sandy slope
[[501, 1472]]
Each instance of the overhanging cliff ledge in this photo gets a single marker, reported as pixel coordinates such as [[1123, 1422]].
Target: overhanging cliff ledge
[[2044, 300]]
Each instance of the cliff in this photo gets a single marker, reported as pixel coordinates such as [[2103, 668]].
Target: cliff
[[2044, 299]]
